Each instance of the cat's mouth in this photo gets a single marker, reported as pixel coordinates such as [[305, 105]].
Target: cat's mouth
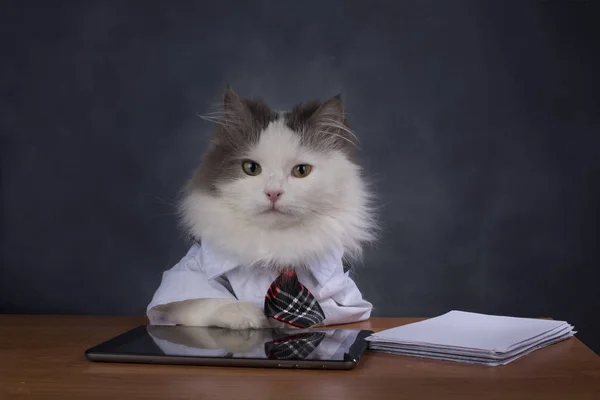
[[275, 218], [275, 211]]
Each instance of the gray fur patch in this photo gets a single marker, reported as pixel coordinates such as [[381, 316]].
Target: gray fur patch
[[240, 123], [321, 126]]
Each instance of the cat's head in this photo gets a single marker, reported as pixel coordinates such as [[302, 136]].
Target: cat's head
[[280, 187]]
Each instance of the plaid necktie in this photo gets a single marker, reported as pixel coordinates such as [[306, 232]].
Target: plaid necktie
[[288, 301], [295, 347]]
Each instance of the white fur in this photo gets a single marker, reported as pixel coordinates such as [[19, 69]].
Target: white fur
[[324, 212], [224, 313]]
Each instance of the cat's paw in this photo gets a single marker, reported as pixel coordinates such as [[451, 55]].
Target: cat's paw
[[240, 315]]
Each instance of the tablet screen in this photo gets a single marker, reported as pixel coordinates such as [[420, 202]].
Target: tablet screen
[[185, 341]]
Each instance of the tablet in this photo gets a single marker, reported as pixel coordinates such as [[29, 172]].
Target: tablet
[[267, 348]]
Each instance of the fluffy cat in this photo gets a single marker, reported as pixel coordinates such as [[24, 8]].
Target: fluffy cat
[[274, 189]]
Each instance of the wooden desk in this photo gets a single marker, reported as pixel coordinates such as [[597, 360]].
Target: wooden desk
[[42, 357]]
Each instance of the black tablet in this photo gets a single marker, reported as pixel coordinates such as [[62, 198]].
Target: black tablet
[[267, 348]]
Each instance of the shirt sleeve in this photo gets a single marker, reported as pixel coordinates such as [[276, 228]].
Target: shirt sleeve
[[345, 304], [187, 280]]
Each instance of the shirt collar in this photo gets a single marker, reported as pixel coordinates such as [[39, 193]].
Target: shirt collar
[[324, 266], [216, 263]]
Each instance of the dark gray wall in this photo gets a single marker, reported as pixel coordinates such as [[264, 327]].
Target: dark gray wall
[[479, 122]]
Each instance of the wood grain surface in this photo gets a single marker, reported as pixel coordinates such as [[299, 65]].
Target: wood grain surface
[[43, 357]]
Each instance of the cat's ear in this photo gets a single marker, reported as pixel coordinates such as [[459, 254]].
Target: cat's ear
[[332, 110], [243, 113], [329, 124], [235, 116], [233, 104]]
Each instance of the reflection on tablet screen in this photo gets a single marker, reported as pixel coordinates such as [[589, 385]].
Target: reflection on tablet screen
[[264, 343]]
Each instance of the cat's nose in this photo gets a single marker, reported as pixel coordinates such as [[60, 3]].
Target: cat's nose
[[274, 195]]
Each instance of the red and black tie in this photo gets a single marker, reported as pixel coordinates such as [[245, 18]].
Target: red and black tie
[[288, 301]]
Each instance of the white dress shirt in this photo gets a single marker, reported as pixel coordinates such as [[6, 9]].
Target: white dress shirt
[[206, 274]]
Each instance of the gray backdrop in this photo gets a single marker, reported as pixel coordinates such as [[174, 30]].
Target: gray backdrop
[[479, 123]]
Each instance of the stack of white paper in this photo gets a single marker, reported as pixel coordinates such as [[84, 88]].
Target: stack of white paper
[[473, 338]]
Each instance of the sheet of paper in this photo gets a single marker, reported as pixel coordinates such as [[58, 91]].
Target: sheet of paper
[[471, 357], [474, 352], [459, 329]]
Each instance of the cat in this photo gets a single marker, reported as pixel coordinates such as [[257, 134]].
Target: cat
[[274, 189]]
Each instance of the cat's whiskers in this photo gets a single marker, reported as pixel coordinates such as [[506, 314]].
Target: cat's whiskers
[[338, 125], [228, 120], [325, 130]]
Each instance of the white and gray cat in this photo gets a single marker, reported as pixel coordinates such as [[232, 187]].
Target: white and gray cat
[[274, 189]]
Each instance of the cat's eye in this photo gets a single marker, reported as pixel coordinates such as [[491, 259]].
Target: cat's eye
[[302, 170], [251, 168]]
